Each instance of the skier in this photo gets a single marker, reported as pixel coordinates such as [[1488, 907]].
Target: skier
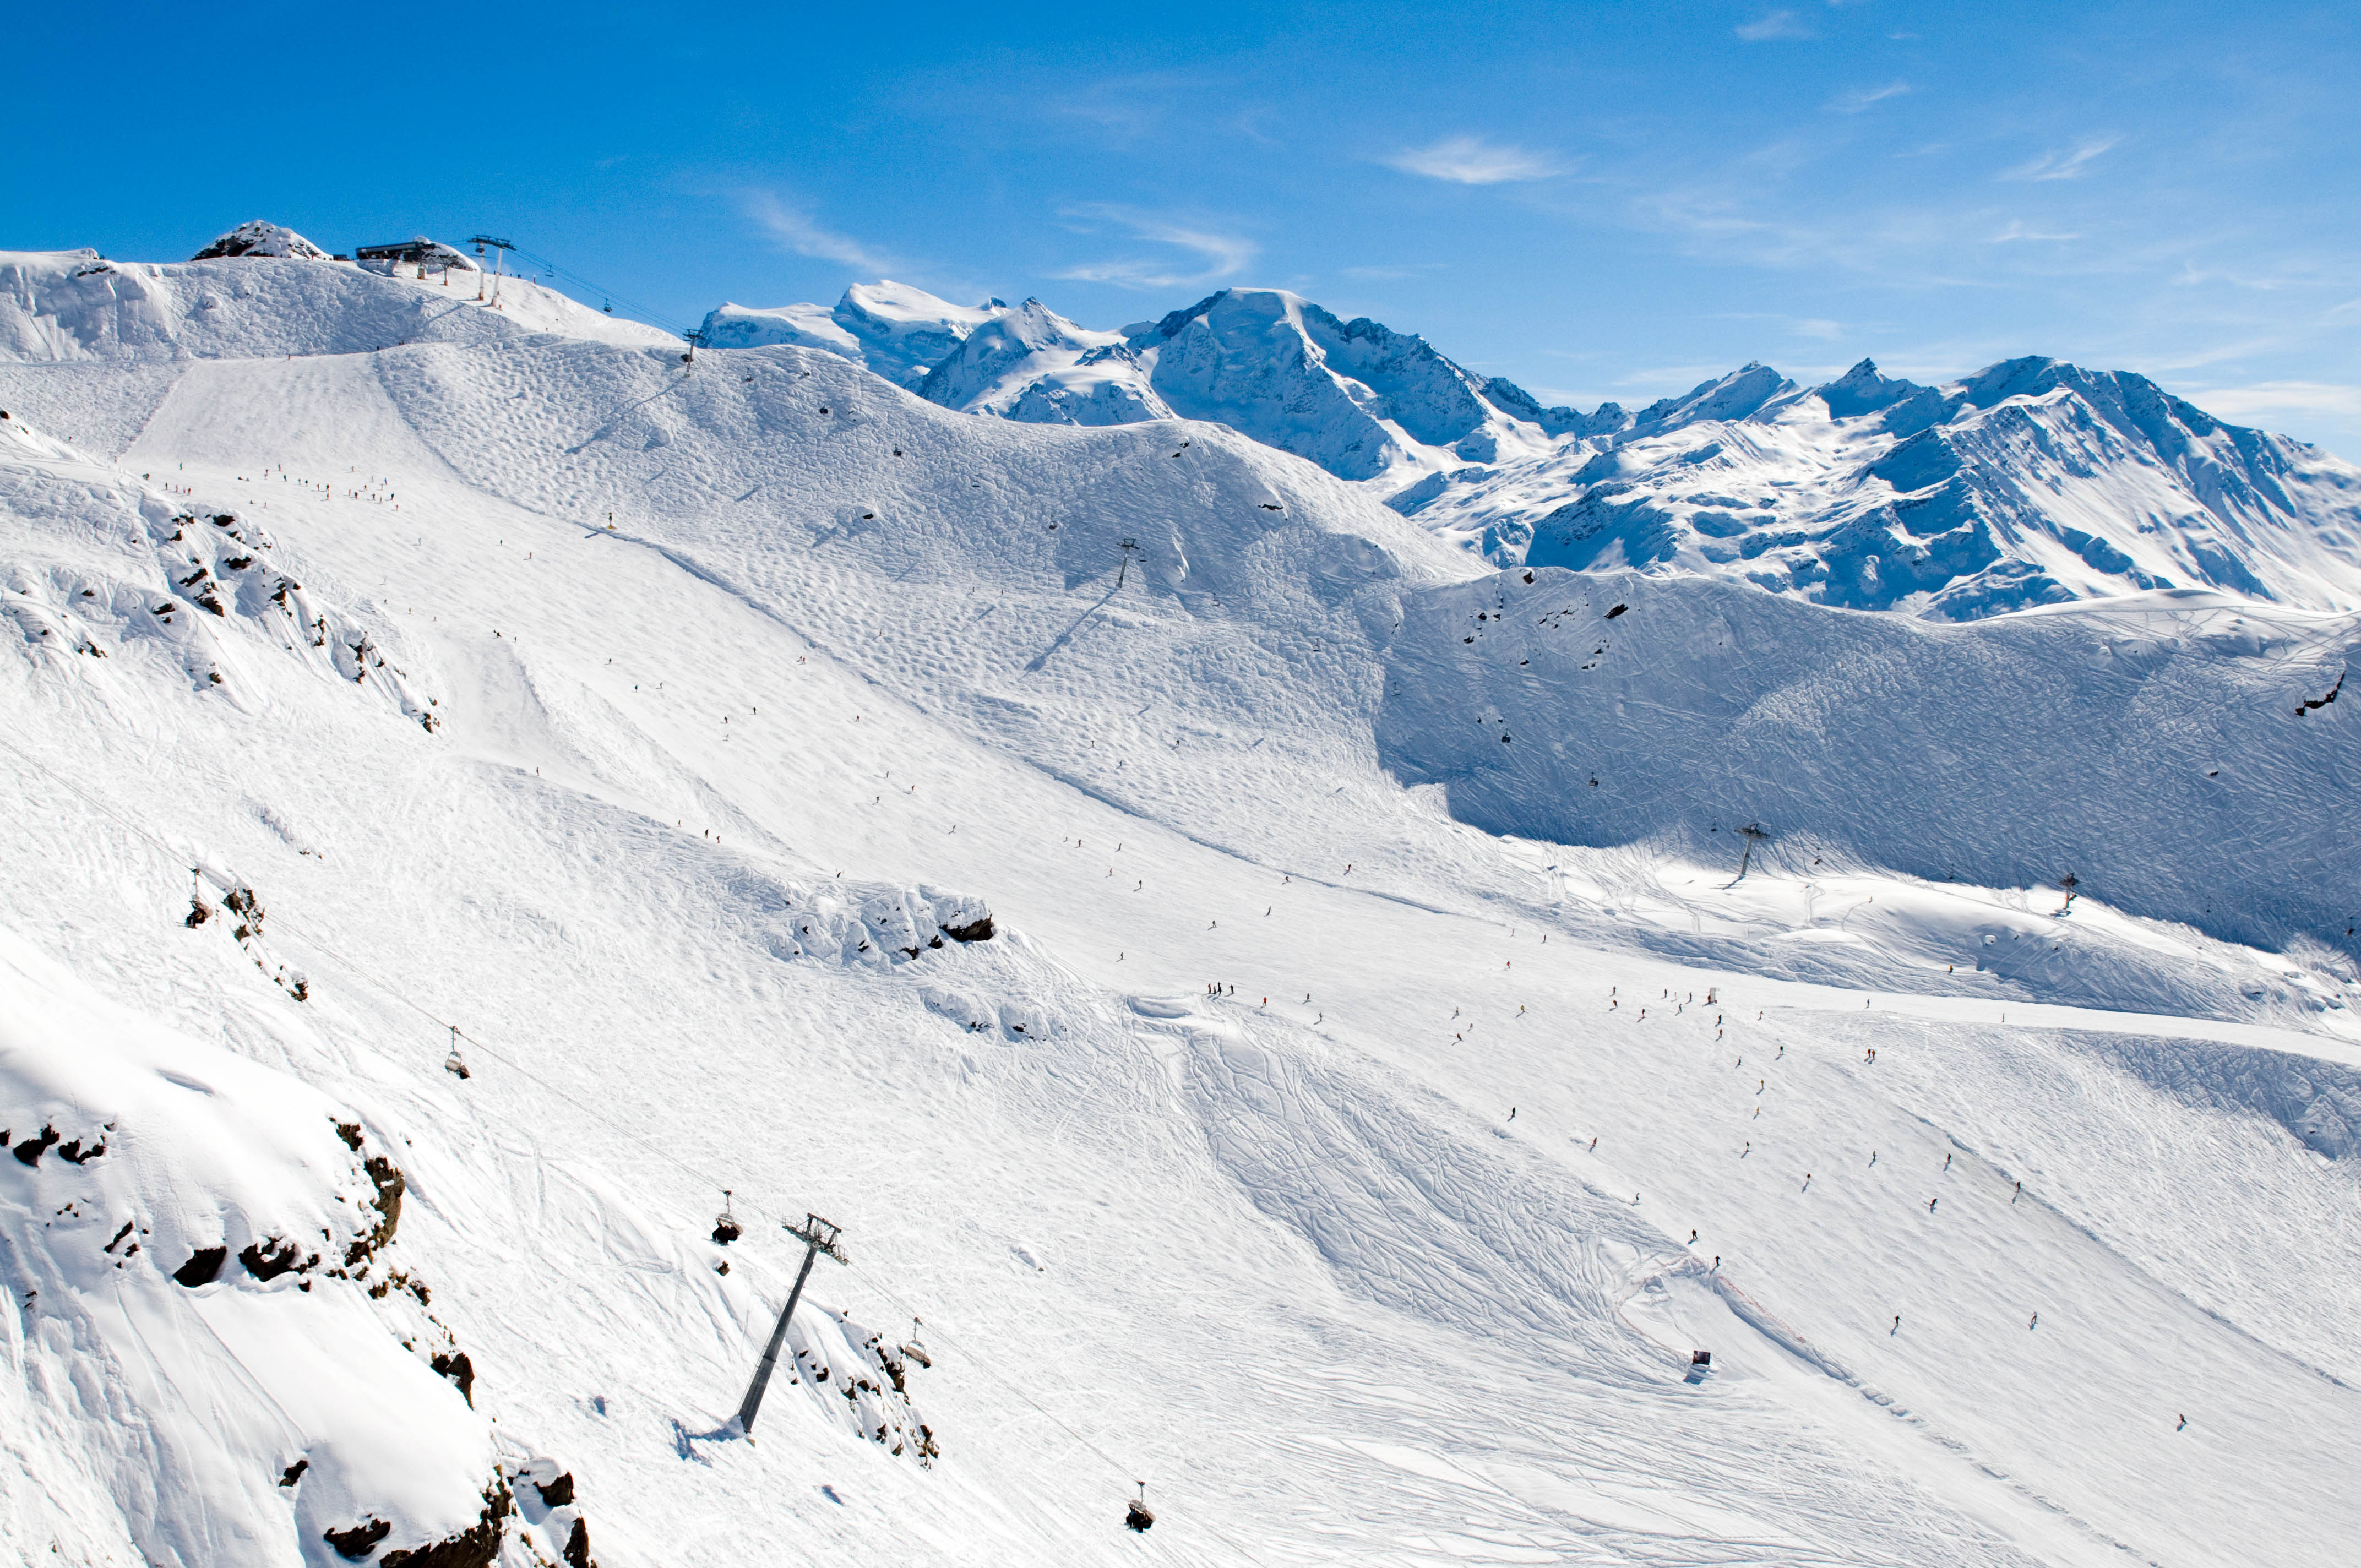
[[1947, 1162], [1930, 1204]]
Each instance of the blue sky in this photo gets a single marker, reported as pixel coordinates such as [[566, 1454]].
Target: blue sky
[[1598, 200]]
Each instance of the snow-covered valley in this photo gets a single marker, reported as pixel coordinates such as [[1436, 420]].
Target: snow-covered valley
[[406, 622]]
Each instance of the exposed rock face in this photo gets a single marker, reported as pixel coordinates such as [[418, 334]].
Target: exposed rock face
[[257, 238], [474, 1547]]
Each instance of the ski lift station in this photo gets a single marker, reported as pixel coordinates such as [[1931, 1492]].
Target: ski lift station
[[414, 257]]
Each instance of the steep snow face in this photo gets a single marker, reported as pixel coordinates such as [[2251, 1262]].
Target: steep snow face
[[1360, 400], [898, 330], [75, 306], [1034, 365], [257, 238], [1614, 708], [224, 1332], [2032, 482]]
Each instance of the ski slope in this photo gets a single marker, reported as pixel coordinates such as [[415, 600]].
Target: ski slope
[[1285, 1254]]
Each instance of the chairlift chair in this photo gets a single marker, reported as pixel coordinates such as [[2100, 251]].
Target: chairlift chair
[[1135, 1516], [726, 1228], [916, 1349], [455, 1064]]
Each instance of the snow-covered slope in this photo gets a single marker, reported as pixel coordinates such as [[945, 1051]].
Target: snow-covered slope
[[1396, 1249], [896, 330], [75, 306]]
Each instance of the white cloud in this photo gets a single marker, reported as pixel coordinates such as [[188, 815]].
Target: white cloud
[[1861, 98], [1472, 160], [793, 230], [2017, 230], [2071, 164], [1221, 255], [2280, 397], [1773, 24]]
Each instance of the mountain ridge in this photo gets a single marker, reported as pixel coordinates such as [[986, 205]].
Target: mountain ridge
[[1926, 499]]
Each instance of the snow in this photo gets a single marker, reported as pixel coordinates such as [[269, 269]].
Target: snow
[[896, 330], [258, 236], [2030, 482], [1282, 1253], [1033, 364]]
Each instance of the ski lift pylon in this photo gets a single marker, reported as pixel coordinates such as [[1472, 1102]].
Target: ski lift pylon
[[1136, 1516], [726, 1228], [455, 1064]]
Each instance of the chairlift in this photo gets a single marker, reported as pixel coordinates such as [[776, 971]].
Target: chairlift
[[1135, 1516], [455, 1064], [726, 1228], [916, 1349]]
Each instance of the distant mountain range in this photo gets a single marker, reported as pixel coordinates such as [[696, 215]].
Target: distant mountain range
[[2031, 482]]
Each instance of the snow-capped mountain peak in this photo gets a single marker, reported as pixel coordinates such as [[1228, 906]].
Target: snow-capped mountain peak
[[2032, 481], [896, 330], [1032, 364]]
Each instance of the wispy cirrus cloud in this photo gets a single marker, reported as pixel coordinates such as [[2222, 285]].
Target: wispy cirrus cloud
[[2280, 397], [2072, 163], [1861, 98], [1472, 160], [1219, 255], [1773, 24], [2017, 230], [793, 229]]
